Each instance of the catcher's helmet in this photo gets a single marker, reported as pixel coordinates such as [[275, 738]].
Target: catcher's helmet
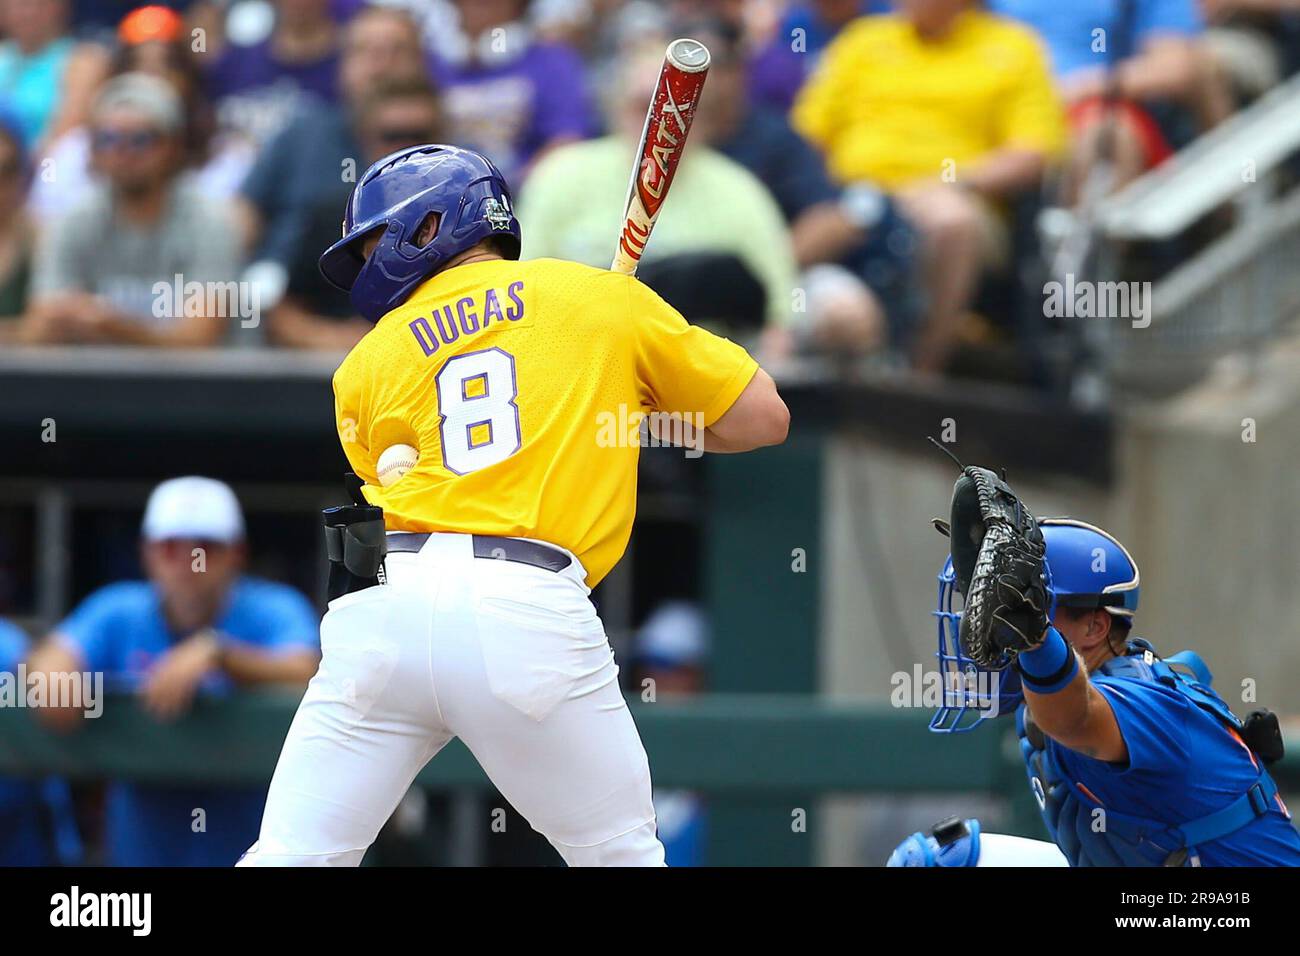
[[1090, 568], [1086, 567], [396, 195]]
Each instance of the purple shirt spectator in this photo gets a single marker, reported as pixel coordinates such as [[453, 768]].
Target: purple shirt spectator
[[778, 70], [255, 93], [344, 10], [510, 110], [244, 68]]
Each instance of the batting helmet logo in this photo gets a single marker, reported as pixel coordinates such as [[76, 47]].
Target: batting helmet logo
[[498, 214]]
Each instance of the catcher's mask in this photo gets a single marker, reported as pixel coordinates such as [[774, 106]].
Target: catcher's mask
[[1086, 568], [970, 694]]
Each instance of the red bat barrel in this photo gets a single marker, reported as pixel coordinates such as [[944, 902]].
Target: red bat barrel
[[667, 124]]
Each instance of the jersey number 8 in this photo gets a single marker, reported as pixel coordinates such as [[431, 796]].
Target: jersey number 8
[[479, 423]]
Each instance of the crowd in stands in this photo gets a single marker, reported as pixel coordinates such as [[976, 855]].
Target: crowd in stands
[[853, 183]]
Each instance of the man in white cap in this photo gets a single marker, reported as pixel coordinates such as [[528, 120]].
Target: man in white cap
[[197, 625]]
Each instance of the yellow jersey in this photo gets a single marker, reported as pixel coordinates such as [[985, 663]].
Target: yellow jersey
[[521, 385], [891, 107]]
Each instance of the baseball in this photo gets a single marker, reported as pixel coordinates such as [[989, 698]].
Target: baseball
[[395, 461]]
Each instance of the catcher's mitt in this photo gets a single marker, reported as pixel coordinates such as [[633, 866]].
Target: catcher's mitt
[[998, 563]]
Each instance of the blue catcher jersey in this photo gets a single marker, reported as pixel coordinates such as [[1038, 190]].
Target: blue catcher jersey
[[1185, 763]]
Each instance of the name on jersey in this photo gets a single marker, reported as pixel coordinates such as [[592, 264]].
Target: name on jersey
[[467, 316]]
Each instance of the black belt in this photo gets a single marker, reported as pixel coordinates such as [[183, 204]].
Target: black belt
[[486, 546]]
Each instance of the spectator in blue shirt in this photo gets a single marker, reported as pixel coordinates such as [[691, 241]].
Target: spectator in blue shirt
[[46, 77], [1144, 53], [1087, 37], [37, 827], [197, 626]]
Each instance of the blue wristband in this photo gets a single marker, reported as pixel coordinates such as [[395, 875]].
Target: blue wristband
[[1050, 666]]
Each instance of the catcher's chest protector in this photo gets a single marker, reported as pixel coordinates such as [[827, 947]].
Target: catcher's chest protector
[[1071, 814]]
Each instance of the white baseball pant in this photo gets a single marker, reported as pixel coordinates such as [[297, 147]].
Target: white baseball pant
[[510, 658], [1001, 849]]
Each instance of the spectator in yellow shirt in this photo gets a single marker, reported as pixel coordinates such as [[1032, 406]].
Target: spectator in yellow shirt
[[951, 110]]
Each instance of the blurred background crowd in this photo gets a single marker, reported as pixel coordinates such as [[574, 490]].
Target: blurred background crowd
[[882, 186], [867, 177]]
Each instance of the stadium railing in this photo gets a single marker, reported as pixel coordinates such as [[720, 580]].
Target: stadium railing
[[745, 746], [1237, 292]]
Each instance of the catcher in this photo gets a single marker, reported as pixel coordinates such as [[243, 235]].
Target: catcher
[[1134, 760]]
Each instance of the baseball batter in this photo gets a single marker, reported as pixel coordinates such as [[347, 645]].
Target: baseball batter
[[477, 624]]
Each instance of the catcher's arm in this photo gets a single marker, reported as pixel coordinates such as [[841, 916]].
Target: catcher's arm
[[1078, 716]]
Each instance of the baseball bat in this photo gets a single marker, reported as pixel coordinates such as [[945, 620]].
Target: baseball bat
[[667, 124]]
